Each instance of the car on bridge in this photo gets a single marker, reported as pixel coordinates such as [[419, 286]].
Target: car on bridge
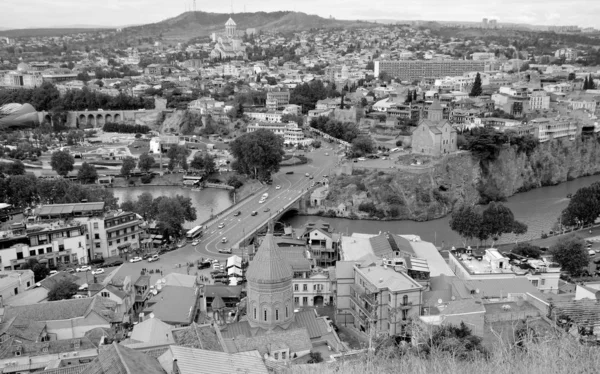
[[254, 212]]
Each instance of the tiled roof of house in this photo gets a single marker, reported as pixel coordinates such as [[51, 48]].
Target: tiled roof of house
[[180, 280], [117, 359], [75, 369], [95, 335], [206, 337], [268, 265], [173, 305], [315, 326], [296, 339], [64, 309], [227, 292], [31, 349], [152, 329], [22, 329], [49, 282], [189, 360]]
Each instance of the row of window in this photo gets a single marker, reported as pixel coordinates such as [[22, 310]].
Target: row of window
[[119, 221], [316, 287], [41, 251], [265, 315], [122, 232], [125, 239]]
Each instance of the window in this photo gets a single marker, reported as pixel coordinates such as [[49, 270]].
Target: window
[[49, 249], [97, 245], [276, 314], [40, 251], [16, 290], [276, 355], [95, 225], [304, 287], [133, 237], [304, 300], [283, 355], [296, 300], [390, 297], [32, 252], [534, 282], [405, 299], [265, 315], [404, 314], [286, 312], [118, 241], [543, 282], [96, 236], [28, 283], [110, 242], [61, 247], [254, 313], [296, 287], [105, 294]]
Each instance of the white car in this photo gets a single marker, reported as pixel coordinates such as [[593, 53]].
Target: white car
[[216, 266], [221, 225], [98, 271], [225, 250], [261, 201], [362, 159], [52, 272], [224, 240], [153, 258], [135, 259], [195, 243], [84, 269], [278, 187]]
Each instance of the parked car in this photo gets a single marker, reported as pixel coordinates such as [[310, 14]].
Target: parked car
[[267, 209], [254, 213], [153, 258], [70, 270], [308, 175], [135, 259], [277, 187], [225, 250], [237, 213], [83, 268], [204, 265], [224, 240], [261, 201], [221, 225], [98, 271], [290, 172], [195, 242]]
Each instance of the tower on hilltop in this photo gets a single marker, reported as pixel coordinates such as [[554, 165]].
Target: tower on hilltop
[[230, 27]]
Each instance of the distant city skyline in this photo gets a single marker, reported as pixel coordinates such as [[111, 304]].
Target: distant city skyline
[[115, 13]]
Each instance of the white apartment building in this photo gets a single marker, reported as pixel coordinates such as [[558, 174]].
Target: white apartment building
[[21, 79], [483, 56], [568, 53], [291, 132], [548, 129], [269, 116], [539, 100], [15, 282], [50, 243], [312, 289], [493, 265], [583, 104]]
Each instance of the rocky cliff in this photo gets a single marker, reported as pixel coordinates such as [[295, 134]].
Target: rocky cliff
[[432, 192]]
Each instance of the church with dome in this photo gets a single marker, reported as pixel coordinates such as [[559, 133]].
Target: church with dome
[[228, 44], [270, 325]]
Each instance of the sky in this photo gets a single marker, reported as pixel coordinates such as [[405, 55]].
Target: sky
[[57, 13]]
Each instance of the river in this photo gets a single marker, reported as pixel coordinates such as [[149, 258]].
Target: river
[[207, 201], [538, 208]]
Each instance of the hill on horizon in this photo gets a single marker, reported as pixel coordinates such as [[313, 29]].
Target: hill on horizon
[[190, 25], [49, 31]]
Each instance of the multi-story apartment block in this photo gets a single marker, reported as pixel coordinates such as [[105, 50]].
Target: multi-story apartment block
[[383, 298], [323, 244], [548, 129], [312, 288], [50, 243], [277, 99], [539, 100], [107, 233], [492, 265], [291, 132], [413, 70], [21, 79], [569, 54], [269, 116], [583, 103]]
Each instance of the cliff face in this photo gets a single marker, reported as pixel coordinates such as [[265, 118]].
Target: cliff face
[[430, 193], [551, 163]]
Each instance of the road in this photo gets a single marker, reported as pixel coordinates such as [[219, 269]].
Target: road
[[292, 185]]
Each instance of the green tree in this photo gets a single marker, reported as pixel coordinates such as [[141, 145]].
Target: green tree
[[63, 290], [257, 154], [569, 252], [40, 271], [87, 173], [13, 168], [316, 144], [145, 162], [210, 166], [498, 219], [127, 166], [591, 84], [586, 84], [527, 250], [62, 162], [571, 77], [198, 161], [584, 206], [414, 98], [466, 221], [178, 157], [476, 90], [172, 212], [409, 97], [362, 145]]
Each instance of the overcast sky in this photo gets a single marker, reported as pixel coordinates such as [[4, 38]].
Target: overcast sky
[[52, 13]]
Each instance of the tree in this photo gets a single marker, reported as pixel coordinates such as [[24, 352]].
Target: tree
[[210, 166], [591, 84], [316, 144], [127, 166], [197, 161], [145, 162], [476, 90], [409, 97], [586, 84], [14, 168], [62, 162], [40, 271], [414, 98], [362, 145], [257, 153], [172, 212], [571, 77], [456, 340], [466, 221], [63, 290], [87, 173], [178, 157], [498, 219], [569, 252], [584, 206]]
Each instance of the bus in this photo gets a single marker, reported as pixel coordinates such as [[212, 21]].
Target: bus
[[194, 233]]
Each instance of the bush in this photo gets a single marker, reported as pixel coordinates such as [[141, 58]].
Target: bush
[[125, 128], [234, 182], [146, 178]]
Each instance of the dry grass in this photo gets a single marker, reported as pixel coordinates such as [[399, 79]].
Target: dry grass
[[554, 356]]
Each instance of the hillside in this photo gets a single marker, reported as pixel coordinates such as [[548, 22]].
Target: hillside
[[197, 24]]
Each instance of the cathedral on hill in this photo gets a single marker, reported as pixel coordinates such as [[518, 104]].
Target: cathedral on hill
[[228, 43]]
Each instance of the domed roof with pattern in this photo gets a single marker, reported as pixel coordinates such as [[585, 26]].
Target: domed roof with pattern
[[268, 265], [230, 22]]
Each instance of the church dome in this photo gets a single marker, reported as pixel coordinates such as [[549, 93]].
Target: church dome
[[268, 266], [230, 22]]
